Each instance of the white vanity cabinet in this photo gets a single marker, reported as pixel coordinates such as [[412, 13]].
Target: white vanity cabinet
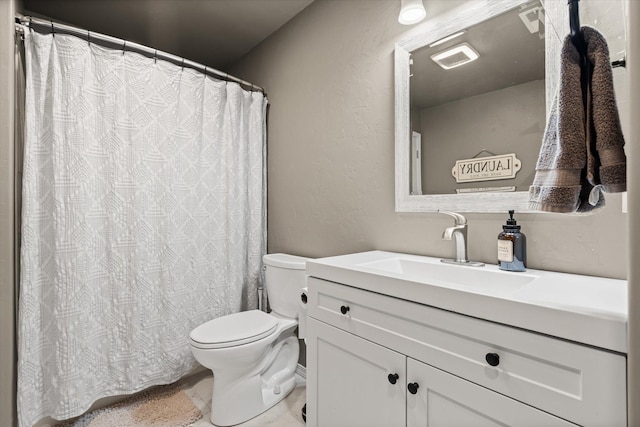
[[376, 360], [442, 399], [358, 383]]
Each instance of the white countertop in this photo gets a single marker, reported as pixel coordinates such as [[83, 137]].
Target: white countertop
[[584, 309]]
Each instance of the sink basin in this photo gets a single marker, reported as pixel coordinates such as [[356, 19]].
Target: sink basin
[[478, 279], [590, 310]]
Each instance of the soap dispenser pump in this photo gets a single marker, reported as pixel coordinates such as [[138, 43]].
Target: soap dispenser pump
[[512, 246]]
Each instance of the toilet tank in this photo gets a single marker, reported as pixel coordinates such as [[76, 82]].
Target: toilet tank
[[285, 275]]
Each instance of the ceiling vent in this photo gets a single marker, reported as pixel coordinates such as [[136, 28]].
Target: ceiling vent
[[533, 19], [455, 56]]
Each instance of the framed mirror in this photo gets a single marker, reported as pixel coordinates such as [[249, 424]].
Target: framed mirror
[[470, 108]]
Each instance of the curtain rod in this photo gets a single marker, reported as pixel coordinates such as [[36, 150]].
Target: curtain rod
[[110, 41]]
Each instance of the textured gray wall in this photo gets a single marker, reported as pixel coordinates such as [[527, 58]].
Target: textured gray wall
[[329, 77]]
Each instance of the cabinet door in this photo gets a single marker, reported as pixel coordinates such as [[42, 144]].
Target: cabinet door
[[444, 400], [348, 383]]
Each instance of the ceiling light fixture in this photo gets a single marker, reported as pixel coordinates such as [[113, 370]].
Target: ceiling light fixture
[[411, 12], [455, 56]]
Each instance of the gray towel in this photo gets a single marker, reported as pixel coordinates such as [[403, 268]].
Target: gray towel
[[578, 160]]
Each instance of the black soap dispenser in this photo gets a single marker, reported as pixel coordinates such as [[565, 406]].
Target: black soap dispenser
[[512, 247]]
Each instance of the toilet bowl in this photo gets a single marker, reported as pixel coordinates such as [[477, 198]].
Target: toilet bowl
[[253, 354]]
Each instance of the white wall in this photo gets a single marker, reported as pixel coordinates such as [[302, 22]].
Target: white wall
[[329, 77]]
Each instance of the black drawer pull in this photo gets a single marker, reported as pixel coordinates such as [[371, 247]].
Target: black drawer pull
[[393, 378], [492, 359], [344, 309]]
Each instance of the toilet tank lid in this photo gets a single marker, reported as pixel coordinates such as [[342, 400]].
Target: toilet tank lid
[[291, 262]]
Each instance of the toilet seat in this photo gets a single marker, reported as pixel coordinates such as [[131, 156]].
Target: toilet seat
[[234, 330]]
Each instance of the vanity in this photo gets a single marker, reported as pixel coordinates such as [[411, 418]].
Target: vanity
[[406, 340]]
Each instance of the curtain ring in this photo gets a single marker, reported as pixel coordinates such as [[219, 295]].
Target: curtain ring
[[53, 33], [155, 56], [182, 64], [30, 24], [89, 37], [124, 46]]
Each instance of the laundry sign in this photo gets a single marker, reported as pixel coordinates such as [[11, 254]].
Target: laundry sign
[[504, 166]]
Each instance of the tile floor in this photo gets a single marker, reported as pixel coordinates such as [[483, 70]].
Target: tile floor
[[285, 414]]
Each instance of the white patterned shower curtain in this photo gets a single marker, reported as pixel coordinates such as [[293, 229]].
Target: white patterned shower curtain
[[143, 217]]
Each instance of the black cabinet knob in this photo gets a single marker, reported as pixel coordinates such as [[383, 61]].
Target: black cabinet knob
[[492, 359], [393, 378], [344, 309], [303, 297], [413, 388]]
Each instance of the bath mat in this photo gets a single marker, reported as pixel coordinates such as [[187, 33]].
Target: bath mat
[[161, 406]]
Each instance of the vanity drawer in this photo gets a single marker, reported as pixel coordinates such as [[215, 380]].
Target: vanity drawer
[[582, 384]]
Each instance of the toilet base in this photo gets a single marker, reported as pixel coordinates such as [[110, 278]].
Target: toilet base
[[237, 398]]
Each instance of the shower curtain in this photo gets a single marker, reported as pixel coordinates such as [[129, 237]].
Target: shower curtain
[[143, 217]]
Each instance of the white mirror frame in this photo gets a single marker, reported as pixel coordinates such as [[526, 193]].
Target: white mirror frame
[[455, 20]]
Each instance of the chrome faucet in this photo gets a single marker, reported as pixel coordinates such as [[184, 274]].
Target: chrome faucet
[[459, 233]]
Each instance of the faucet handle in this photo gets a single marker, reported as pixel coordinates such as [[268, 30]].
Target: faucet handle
[[460, 220]]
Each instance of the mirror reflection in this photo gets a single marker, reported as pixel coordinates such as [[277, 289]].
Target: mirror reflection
[[475, 94]]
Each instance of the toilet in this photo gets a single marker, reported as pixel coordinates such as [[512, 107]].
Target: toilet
[[253, 354]]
